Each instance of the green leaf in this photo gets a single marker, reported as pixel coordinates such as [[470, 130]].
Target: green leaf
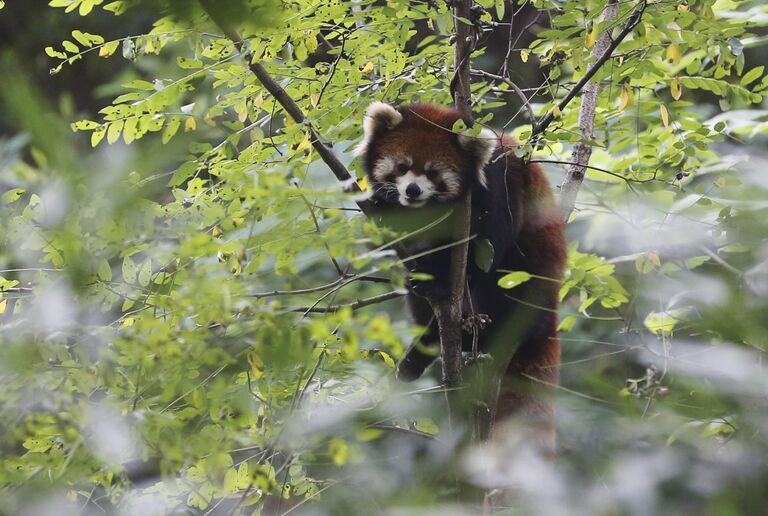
[[12, 195], [692, 263], [387, 359], [108, 48], [567, 323], [500, 5], [426, 425], [338, 451], [369, 434], [129, 270], [752, 75], [420, 276], [715, 428], [38, 445], [70, 47], [130, 130], [189, 64], [86, 7], [139, 84], [647, 262], [128, 97], [55, 53], [663, 323], [195, 500], [117, 7], [459, 127], [171, 128], [230, 481], [98, 135], [82, 38], [735, 248], [84, 125], [483, 254], [513, 279], [104, 270], [114, 130], [145, 273]]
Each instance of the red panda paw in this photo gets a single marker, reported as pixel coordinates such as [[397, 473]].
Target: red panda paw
[[475, 322]]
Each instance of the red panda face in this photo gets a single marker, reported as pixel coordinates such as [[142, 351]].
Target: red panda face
[[413, 180], [412, 156]]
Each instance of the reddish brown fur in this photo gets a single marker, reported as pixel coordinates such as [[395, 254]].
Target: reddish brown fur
[[531, 240]]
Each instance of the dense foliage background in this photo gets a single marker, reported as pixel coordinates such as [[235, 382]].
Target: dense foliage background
[[180, 275]]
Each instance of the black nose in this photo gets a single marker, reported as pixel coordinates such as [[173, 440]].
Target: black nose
[[412, 191]]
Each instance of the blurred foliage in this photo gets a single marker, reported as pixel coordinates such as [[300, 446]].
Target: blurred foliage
[[178, 331]]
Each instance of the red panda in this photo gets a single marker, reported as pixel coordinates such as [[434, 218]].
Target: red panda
[[417, 166]]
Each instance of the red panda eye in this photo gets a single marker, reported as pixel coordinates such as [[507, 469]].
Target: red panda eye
[[402, 168]]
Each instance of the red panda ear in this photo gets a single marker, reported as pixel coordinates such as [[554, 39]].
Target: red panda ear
[[378, 117], [481, 147]]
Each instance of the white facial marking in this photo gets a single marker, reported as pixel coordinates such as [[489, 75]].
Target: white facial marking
[[449, 177], [452, 183], [424, 184], [383, 167], [483, 146]]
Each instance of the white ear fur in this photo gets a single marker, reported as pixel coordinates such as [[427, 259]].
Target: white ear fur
[[482, 146], [377, 115]]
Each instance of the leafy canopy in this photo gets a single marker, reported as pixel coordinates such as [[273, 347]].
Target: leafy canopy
[[188, 308]]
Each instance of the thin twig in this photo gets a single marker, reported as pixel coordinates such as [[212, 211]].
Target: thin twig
[[360, 303], [591, 167], [506, 80], [333, 69], [411, 431]]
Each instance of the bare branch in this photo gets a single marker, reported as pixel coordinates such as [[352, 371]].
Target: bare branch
[[310, 290]]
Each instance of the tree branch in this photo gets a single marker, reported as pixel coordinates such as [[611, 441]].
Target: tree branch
[[604, 48], [462, 52], [285, 101], [448, 310], [354, 305], [582, 150]]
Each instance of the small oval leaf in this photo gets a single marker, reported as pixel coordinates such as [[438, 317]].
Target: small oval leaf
[[514, 279]]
